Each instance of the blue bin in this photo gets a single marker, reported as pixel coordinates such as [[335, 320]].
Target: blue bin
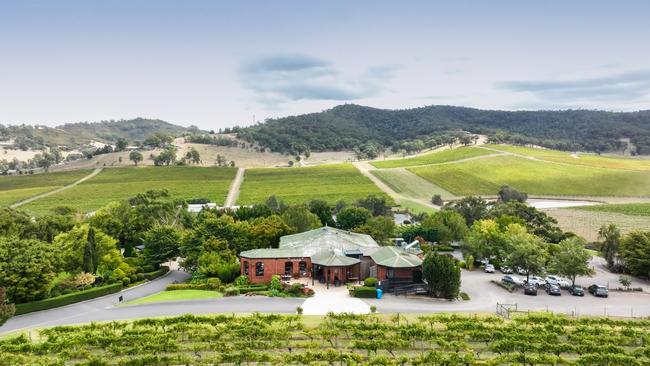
[[379, 293]]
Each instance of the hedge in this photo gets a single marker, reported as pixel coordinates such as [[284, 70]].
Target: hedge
[[155, 274], [365, 292], [443, 248], [67, 299], [252, 288]]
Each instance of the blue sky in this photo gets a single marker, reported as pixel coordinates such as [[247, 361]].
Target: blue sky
[[220, 63]]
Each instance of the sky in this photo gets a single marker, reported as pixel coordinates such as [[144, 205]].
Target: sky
[[216, 64]]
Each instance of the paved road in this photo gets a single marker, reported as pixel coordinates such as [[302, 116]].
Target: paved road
[[49, 193], [233, 193]]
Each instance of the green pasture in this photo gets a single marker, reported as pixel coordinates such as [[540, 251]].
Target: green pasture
[[298, 185], [21, 187], [485, 176], [408, 184], [434, 157], [584, 159], [115, 184], [635, 209]]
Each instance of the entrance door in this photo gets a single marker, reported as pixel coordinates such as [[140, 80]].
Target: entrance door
[[288, 268], [417, 276]]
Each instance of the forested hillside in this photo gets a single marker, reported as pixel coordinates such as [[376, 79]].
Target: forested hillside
[[352, 126], [76, 134]]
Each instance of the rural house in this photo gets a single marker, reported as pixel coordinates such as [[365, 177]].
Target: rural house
[[332, 256]]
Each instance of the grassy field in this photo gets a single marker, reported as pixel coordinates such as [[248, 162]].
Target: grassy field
[[635, 209], [176, 295], [408, 184], [433, 157], [580, 159], [299, 185], [534, 177], [18, 188], [345, 339], [587, 223], [123, 183]]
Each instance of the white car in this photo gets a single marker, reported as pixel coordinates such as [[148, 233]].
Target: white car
[[505, 270], [489, 268], [556, 280], [535, 280], [513, 280], [521, 271]]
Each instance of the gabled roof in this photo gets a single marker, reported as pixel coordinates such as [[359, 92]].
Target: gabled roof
[[395, 257], [333, 259]]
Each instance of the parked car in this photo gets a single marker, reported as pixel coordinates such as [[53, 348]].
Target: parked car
[[530, 289], [598, 290], [505, 270], [514, 280], [521, 271], [556, 280], [576, 290], [489, 268], [535, 280], [553, 290]]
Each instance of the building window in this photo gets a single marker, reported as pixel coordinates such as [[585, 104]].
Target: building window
[[302, 268], [246, 268], [259, 269], [288, 268]]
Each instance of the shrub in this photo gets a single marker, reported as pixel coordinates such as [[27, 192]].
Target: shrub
[[443, 248], [507, 286], [241, 281], [373, 309], [71, 298], [299, 310], [469, 263], [464, 296], [442, 275], [365, 292], [126, 281], [275, 284], [231, 291], [370, 282], [253, 288], [296, 289], [213, 283], [189, 286], [437, 200]]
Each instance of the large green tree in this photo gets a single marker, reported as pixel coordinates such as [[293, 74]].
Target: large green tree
[[380, 228], [527, 252], [7, 310], [448, 225], [472, 208], [162, 243], [300, 218], [351, 217], [572, 259], [323, 210], [73, 244], [610, 240], [635, 252], [442, 275], [27, 267]]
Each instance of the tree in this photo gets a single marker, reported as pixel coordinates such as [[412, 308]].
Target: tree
[[625, 281], [275, 204], [572, 259], [437, 200], [472, 208], [73, 248], [527, 253], [351, 217], [121, 144], [380, 228], [377, 205], [635, 252], [487, 240], [166, 157], [26, 268], [610, 237], [442, 275], [507, 194], [135, 157], [89, 259], [7, 310], [323, 210], [448, 226], [300, 219], [161, 244], [193, 156]]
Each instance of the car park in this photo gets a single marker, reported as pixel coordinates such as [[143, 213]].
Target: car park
[[513, 280], [489, 268], [553, 290], [530, 289], [576, 290], [598, 290], [505, 270]]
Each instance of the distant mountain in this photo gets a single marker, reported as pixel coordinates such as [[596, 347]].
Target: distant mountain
[[78, 134], [349, 126]]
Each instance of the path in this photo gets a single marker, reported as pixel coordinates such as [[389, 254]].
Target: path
[[49, 193], [233, 193], [365, 168], [334, 299]]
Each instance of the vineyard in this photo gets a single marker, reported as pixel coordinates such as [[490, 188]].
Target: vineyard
[[536, 339]]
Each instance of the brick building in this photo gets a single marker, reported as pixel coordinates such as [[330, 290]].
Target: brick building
[[332, 256]]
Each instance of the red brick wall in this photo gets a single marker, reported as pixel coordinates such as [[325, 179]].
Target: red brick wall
[[272, 266], [400, 273]]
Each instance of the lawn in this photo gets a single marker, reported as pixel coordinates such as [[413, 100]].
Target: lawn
[[176, 295], [408, 184], [534, 177], [299, 185], [434, 157], [579, 159], [635, 209], [415, 207], [18, 188], [114, 184]]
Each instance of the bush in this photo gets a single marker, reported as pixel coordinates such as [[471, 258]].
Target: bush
[[299, 310], [370, 282], [507, 286], [437, 200], [365, 292], [231, 291], [373, 309], [469, 263], [275, 284], [241, 281], [190, 286], [443, 248], [464, 296], [296, 289], [126, 281], [442, 275], [213, 282], [252, 288], [68, 299]]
